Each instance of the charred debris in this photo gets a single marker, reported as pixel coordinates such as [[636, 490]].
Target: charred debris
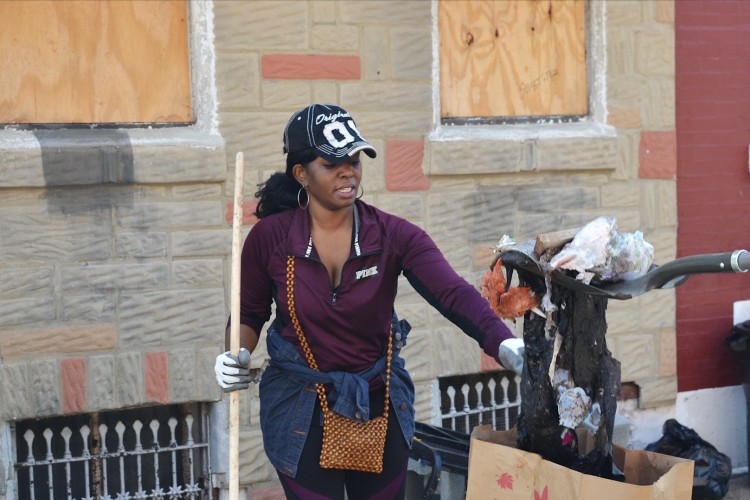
[[569, 374]]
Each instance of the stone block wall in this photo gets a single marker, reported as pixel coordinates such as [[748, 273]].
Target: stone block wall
[[376, 59], [112, 291], [113, 263]]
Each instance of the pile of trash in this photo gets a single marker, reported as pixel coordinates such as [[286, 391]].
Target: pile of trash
[[597, 252], [600, 251]]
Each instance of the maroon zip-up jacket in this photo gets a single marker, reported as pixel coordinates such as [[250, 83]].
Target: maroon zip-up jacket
[[347, 327]]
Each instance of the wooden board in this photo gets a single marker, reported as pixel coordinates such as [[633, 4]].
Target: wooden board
[[557, 239], [104, 61], [512, 58]]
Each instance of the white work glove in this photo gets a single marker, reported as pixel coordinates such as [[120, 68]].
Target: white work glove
[[233, 373], [510, 354]]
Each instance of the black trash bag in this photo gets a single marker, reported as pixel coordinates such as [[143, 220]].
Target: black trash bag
[[597, 464], [740, 337], [713, 469]]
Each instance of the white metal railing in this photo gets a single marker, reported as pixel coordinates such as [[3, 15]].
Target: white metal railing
[[163, 468], [473, 400]]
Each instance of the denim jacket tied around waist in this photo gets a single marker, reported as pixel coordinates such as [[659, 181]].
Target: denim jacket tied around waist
[[288, 396]]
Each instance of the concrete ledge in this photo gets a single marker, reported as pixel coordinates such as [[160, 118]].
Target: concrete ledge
[[74, 157], [498, 149]]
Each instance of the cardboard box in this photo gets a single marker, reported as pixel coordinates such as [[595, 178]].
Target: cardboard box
[[497, 469]]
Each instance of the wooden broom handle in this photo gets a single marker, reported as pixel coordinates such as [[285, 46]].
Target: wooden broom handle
[[234, 329]]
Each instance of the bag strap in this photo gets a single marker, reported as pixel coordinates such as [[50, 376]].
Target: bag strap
[[306, 347]]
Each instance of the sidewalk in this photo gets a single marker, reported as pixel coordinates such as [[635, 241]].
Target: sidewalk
[[739, 488]]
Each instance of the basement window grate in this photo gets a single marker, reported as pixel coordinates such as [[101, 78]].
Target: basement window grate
[[492, 398], [153, 452]]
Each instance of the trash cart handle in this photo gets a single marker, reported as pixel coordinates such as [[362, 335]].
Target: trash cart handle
[[740, 261]]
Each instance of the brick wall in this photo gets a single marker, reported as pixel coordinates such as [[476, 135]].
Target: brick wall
[[713, 112]]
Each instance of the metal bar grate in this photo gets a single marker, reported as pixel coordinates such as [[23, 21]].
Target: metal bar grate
[[155, 452], [485, 398]]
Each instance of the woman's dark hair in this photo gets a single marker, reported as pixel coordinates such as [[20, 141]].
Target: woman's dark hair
[[279, 192]]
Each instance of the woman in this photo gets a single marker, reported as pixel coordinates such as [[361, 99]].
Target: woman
[[342, 334]]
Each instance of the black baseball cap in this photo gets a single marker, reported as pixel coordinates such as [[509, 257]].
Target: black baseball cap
[[327, 129]]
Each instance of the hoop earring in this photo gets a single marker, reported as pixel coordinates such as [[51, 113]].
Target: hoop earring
[[363, 191], [299, 202]]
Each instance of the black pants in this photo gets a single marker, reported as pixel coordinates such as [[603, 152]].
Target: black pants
[[315, 483]]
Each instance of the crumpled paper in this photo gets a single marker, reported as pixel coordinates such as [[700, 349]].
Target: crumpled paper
[[572, 405], [600, 250], [572, 402]]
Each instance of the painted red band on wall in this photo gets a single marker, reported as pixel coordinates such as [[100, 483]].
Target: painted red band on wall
[[310, 67]]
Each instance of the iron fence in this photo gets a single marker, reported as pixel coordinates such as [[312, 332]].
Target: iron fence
[[492, 398], [153, 452]]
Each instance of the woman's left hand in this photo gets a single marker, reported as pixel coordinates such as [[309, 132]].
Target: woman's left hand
[[510, 354]]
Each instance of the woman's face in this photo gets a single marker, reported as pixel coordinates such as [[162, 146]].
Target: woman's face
[[331, 185]]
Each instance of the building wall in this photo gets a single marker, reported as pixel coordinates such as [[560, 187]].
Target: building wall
[[469, 187], [713, 110], [114, 294], [113, 258]]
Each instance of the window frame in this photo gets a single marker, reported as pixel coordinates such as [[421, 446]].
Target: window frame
[[594, 124]]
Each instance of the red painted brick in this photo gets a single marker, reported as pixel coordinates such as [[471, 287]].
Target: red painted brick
[[157, 377], [73, 377], [248, 212], [310, 67], [403, 166], [658, 155]]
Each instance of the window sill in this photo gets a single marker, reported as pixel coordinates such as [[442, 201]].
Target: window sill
[[493, 149], [48, 158]]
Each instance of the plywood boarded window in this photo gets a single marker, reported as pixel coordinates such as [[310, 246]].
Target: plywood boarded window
[[512, 59], [94, 62]]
